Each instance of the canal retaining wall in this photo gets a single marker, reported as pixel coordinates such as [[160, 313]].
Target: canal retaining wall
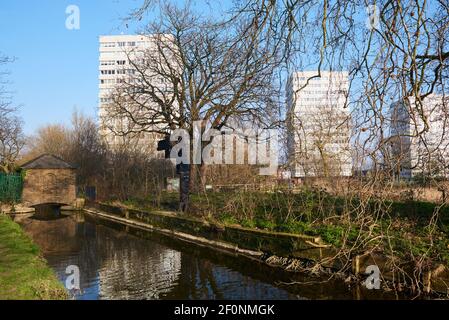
[[257, 244], [274, 243]]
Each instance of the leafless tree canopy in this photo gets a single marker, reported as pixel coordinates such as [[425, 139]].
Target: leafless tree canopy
[[11, 135], [125, 173], [392, 50], [196, 70]]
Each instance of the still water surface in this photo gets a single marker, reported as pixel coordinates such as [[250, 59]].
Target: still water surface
[[118, 262]]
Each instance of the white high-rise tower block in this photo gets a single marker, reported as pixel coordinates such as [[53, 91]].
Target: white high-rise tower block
[[318, 124], [419, 136], [114, 65]]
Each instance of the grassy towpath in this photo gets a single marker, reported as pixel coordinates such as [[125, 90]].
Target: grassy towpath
[[24, 274]]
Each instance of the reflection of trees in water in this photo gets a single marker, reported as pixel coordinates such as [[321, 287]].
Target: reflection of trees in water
[[202, 279], [197, 280], [112, 264], [116, 265], [53, 236], [133, 268], [64, 242]]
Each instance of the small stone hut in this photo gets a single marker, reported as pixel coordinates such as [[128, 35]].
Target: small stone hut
[[49, 180]]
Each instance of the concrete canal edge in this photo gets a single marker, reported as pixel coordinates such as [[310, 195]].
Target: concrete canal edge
[[255, 244]]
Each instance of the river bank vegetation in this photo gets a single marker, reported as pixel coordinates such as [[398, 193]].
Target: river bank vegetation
[[24, 274], [411, 235]]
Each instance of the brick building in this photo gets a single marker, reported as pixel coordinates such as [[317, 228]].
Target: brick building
[[49, 180]]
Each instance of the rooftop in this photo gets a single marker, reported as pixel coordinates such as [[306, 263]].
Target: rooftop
[[47, 161]]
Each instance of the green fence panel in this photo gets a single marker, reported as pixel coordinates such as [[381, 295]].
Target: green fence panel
[[11, 186]]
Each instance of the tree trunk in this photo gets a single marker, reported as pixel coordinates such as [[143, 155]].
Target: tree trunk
[[203, 177], [184, 192], [192, 182]]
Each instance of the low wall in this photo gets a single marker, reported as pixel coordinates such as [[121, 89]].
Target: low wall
[[255, 242], [282, 244]]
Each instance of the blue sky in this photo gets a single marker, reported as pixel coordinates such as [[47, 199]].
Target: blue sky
[[56, 69]]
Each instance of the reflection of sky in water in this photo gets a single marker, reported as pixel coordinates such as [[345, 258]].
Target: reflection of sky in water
[[89, 285], [235, 286], [116, 265], [133, 274], [224, 283]]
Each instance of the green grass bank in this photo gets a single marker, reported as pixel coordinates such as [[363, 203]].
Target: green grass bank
[[24, 274]]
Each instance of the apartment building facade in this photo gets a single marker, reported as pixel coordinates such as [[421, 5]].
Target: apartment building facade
[[419, 137], [116, 52], [318, 124]]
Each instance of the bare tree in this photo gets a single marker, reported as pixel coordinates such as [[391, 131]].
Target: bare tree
[[80, 144], [131, 173], [124, 174], [87, 150], [11, 141], [52, 139], [323, 143], [197, 70], [11, 135]]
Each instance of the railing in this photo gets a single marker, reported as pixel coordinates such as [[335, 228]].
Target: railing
[[249, 187], [11, 186]]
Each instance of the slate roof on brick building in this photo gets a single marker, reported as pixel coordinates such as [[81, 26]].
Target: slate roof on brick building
[[47, 161]]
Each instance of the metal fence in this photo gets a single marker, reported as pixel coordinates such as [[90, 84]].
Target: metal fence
[[11, 186]]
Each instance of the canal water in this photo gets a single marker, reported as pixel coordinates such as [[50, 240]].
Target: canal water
[[118, 262]]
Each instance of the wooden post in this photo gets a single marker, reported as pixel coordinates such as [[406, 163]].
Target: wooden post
[[427, 281], [184, 176], [356, 265]]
